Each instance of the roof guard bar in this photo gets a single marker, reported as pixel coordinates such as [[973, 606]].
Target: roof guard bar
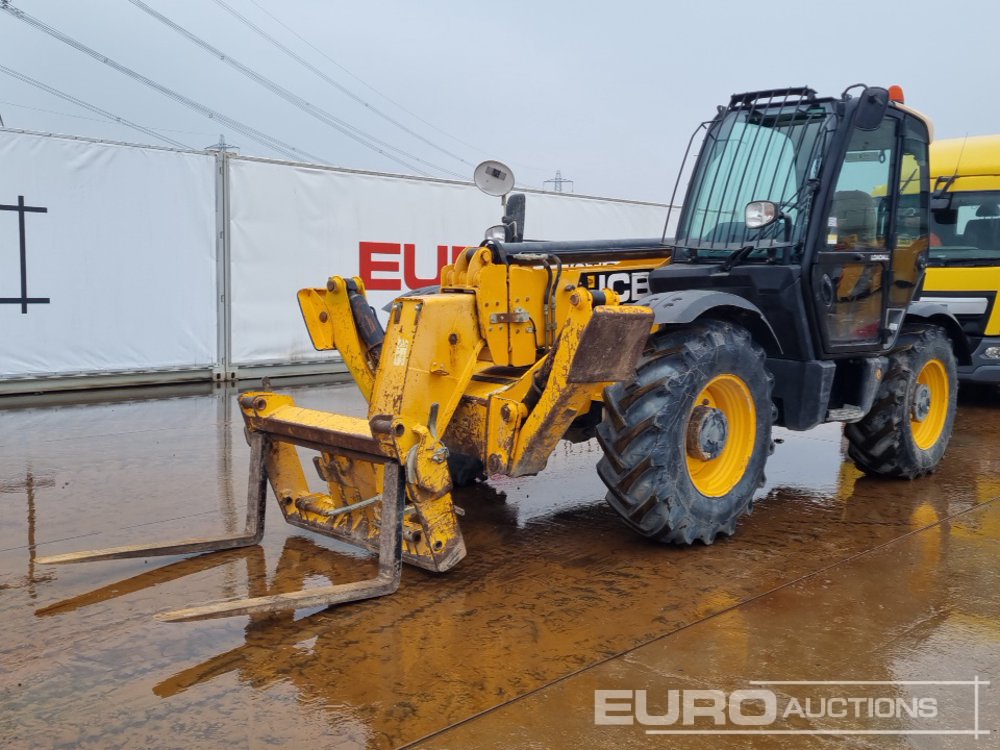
[[743, 100]]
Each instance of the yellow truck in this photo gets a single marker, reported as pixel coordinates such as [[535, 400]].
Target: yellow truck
[[963, 272]]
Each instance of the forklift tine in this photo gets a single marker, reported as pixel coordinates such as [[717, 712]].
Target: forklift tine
[[254, 530], [390, 561]]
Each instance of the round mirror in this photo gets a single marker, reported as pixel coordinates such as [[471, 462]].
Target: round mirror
[[494, 178]]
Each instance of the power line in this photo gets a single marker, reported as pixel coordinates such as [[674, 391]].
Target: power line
[[340, 87], [270, 142], [364, 83], [91, 107], [320, 114], [95, 119], [385, 96]]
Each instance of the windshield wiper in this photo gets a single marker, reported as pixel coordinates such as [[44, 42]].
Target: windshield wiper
[[738, 256]]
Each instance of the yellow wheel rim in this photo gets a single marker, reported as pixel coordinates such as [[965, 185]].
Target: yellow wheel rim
[[718, 475], [929, 411]]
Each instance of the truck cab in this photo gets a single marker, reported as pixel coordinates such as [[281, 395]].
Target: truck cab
[[963, 271]]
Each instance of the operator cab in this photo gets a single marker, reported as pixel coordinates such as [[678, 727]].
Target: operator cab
[[813, 209]]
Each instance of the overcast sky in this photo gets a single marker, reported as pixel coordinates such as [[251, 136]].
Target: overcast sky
[[608, 93]]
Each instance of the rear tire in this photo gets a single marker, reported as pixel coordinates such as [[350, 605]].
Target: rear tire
[[908, 428], [675, 469]]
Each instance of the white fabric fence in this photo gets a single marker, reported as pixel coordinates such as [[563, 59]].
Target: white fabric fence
[[115, 248], [292, 226], [140, 259]]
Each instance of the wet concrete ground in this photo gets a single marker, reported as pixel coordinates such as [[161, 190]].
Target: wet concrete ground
[[834, 577]]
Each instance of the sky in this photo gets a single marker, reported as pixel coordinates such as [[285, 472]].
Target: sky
[[606, 93]]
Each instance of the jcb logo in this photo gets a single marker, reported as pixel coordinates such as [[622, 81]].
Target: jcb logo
[[629, 285]]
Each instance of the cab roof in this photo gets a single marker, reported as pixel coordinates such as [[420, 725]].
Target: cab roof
[[975, 158]]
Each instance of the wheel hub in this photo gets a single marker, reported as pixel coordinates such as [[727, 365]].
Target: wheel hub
[[921, 402], [707, 431]]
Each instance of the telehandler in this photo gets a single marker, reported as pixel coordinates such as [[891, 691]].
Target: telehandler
[[785, 298]]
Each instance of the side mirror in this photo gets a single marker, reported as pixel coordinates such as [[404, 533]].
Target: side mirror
[[940, 201], [946, 215], [941, 198], [760, 214], [872, 105], [513, 218], [496, 178], [497, 233], [511, 226]]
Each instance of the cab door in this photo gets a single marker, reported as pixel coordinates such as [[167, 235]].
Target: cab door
[[852, 265]]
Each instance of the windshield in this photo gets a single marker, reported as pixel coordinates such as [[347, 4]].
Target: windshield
[[754, 154], [968, 231]]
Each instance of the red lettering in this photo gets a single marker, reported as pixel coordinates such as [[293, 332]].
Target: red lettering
[[369, 266], [410, 277], [388, 270]]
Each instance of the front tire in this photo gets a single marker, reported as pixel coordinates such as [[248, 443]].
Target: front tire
[[908, 428], [685, 442]]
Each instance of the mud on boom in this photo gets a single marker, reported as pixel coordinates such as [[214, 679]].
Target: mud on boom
[[784, 299]]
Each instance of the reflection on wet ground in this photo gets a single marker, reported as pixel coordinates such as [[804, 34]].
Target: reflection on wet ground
[[833, 577]]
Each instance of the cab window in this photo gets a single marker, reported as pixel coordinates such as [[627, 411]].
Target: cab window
[[856, 220]]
